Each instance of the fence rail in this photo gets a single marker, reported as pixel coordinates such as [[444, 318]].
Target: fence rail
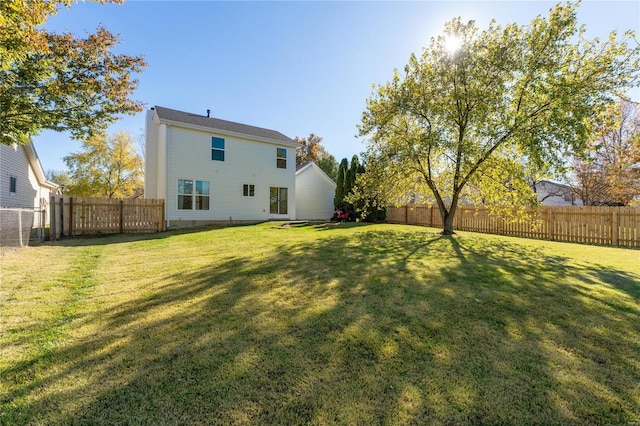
[[75, 216], [616, 226]]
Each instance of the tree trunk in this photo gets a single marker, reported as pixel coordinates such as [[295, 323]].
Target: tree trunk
[[447, 218]]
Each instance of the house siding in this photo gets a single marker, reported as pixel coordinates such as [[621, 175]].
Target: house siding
[[151, 157], [246, 162], [314, 194], [14, 162], [554, 194]]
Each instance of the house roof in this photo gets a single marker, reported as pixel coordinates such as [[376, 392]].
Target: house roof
[[311, 165], [172, 116], [36, 166]]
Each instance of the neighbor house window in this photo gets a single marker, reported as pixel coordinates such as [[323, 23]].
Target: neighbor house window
[[281, 158], [278, 200], [248, 190], [193, 194], [13, 184], [217, 149]]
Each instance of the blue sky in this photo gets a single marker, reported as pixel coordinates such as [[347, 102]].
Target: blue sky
[[298, 67]]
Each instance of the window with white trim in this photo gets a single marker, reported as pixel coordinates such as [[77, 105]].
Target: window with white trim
[[281, 158], [248, 190], [13, 184], [193, 194], [217, 149]]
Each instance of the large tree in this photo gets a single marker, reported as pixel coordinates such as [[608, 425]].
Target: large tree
[[107, 166], [311, 149], [609, 172], [505, 100], [59, 81]]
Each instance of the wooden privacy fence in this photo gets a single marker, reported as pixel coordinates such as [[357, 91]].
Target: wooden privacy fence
[[74, 216], [617, 226]]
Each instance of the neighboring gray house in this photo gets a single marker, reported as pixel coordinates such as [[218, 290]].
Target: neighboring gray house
[[23, 183], [24, 195], [210, 170], [314, 193], [555, 194]]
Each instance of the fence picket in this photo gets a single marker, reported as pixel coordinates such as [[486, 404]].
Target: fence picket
[[94, 216], [617, 226]]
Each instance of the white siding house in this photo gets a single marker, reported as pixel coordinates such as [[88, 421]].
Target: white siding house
[[22, 180], [24, 195], [555, 194], [314, 193], [209, 170]]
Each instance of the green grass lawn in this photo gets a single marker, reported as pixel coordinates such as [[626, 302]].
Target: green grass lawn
[[340, 324]]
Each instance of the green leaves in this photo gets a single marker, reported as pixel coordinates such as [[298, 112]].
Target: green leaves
[[507, 96], [311, 149], [608, 173], [59, 81], [107, 166]]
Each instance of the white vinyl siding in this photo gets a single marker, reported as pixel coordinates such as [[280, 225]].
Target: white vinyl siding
[[15, 164], [151, 164], [189, 156], [314, 194]]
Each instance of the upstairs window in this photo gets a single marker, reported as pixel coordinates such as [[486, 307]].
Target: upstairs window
[[248, 190], [281, 158], [217, 149], [13, 184]]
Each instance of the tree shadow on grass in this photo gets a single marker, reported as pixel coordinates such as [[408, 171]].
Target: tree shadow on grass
[[109, 239], [367, 327]]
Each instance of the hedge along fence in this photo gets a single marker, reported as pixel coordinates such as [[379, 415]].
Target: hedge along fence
[[75, 216], [616, 226]]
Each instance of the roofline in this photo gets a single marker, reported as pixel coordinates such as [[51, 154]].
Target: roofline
[[36, 165], [322, 173], [291, 144]]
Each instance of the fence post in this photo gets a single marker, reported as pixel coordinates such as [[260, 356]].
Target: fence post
[[406, 214], [550, 224], [121, 216], [52, 218], [164, 219], [615, 228], [71, 216], [61, 216]]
